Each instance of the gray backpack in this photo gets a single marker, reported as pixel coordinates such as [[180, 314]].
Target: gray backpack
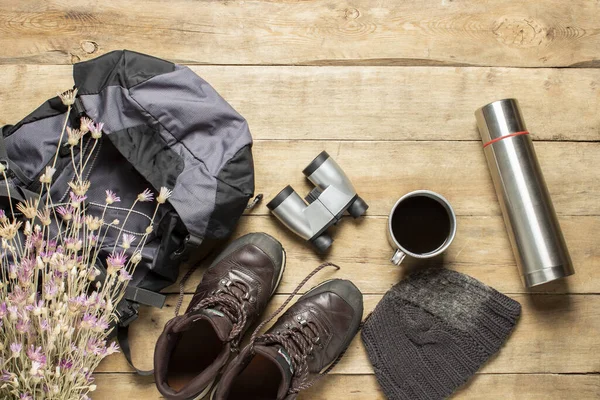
[[163, 126]]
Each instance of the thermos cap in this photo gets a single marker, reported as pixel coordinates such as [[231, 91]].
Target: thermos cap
[[498, 119]]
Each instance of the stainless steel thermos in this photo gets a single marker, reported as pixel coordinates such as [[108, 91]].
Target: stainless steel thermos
[[533, 229]]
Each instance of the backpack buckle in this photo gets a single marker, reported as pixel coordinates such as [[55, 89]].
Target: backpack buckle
[[145, 297], [189, 244], [129, 313]]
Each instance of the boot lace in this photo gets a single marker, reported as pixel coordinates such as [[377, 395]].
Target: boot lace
[[229, 300], [299, 342]]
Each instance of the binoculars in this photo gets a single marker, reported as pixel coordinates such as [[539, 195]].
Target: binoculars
[[323, 207]]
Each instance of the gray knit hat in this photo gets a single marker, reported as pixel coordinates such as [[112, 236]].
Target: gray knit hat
[[432, 331]]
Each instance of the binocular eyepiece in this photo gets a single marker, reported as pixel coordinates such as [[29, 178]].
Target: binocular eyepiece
[[323, 207]]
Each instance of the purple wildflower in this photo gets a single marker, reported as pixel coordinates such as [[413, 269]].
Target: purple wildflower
[[65, 364], [50, 289], [73, 244], [12, 271], [92, 273], [65, 212], [35, 354], [96, 129], [93, 239], [16, 348], [146, 195], [25, 272], [115, 262], [23, 326], [18, 296], [36, 240], [51, 245], [76, 199], [95, 347], [88, 321], [101, 325], [112, 349], [44, 325], [5, 376], [12, 313], [111, 197], [36, 370], [127, 240], [124, 276], [46, 255], [38, 307], [77, 303], [3, 310], [95, 301], [2, 214], [25, 396]]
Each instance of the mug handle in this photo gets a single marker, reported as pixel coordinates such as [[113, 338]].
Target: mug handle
[[398, 257]]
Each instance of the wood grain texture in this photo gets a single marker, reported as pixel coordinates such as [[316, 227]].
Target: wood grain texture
[[481, 249], [383, 171], [366, 103], [556, 334], [455, 169], [363, 387], [389, 89], [545, 33]]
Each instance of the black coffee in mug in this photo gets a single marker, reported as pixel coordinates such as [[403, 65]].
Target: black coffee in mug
[[421, 224]]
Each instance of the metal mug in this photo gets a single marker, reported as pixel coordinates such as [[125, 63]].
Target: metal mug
[[401, 251]]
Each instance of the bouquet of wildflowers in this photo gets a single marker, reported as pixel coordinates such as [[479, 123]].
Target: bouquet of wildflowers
[[55, 311]]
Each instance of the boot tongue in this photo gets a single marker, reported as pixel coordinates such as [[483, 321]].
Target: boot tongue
[[283, 360], [219, 321]]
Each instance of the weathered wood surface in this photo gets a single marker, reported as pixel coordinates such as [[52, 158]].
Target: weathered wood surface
[[389, 89], [547, 33], [362, 387], [556, 334], [365, 103], [456, 169], [383, 171], [481, 249]]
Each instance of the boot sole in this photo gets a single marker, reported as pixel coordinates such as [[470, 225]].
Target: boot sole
[[207, 390], [212, 387], [280, 277]]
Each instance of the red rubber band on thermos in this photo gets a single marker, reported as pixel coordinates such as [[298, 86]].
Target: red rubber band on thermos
[[504, 137]]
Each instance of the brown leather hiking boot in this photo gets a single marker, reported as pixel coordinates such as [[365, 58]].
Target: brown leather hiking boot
[[303, 345], [234, 291]]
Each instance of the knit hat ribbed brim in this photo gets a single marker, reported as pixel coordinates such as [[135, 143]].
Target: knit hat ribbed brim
[[432, 331]]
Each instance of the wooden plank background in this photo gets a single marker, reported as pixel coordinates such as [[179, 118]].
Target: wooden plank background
[[389, 89]]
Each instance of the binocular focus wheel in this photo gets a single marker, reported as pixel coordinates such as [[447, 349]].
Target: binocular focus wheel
[[358, 207], [322, 243]]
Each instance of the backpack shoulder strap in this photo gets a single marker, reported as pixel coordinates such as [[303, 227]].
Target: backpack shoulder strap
[[123, 339], [128, 312]]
